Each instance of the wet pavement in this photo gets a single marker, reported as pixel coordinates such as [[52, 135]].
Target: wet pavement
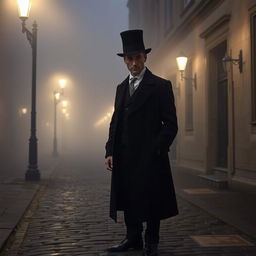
[[72, 219], [16, 195]]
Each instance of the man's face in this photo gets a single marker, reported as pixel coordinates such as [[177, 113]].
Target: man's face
[[135, 62]]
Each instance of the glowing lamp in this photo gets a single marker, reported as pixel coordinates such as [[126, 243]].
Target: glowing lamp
[[64, 103], [62, 83], [24, 111], [182, 62], [57, 95], [24, 8]]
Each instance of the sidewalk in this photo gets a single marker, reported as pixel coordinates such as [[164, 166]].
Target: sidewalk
[[15, 197], [235, 208]]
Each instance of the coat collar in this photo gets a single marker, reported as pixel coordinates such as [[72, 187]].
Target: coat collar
[[144, 91]]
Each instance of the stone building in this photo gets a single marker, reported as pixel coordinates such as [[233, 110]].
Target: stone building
[[216, 102]]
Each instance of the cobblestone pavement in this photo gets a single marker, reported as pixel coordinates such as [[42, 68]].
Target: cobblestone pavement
[[72, 219]]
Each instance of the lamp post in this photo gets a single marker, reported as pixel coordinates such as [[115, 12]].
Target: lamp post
[[32, 172], [64, 118], [55, 103], [57, 94]]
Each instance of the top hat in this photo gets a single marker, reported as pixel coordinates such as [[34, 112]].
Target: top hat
[[132, 42]]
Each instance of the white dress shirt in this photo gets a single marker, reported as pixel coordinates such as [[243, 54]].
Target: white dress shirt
[[139, 78]]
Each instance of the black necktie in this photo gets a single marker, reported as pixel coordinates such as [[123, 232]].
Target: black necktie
[[131, 86]]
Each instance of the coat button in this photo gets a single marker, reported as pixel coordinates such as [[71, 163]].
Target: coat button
[[126, 109]]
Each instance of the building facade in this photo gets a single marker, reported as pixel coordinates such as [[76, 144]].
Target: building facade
[[216, 102]]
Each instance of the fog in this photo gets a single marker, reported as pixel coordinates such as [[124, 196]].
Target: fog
[[77, 41]]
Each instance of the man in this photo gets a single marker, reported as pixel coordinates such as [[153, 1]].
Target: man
[[142, 128]]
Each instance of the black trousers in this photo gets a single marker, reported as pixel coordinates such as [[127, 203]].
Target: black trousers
[[135, 229]]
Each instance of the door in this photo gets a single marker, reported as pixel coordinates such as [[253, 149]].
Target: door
[[219, 107]]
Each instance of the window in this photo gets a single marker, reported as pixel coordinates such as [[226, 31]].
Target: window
[[189, 98], [253, 60], [168, 14]]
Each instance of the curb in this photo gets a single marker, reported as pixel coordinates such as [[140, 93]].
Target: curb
[[13, 241]]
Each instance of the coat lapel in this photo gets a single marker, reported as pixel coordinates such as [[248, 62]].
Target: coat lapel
[[145, 89], [121, 93]]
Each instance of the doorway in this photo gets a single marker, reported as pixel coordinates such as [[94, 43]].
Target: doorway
[[218, 99]]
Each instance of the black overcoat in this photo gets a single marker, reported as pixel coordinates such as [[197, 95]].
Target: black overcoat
[[151, 127]]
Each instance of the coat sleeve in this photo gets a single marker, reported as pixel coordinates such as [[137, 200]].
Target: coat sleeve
[[168, 117], [112, 130]]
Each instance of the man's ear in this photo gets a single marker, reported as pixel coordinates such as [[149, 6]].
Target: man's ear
[[125, 59], [145, 55]]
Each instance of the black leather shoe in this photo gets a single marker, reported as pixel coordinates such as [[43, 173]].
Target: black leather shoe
[[151, 250], [126, 245]]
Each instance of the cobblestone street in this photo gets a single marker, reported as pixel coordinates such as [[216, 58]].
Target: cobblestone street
[[72, 219]]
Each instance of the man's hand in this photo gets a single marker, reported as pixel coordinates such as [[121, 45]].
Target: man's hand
[[109, 163]]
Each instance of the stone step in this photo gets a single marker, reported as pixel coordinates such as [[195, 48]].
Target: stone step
[[215, 180]]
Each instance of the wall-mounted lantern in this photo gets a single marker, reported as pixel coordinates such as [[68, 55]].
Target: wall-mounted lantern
[[238, 61], [182, 63]]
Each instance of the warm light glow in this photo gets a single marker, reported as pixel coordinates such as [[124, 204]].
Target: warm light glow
[[67, 115], [24, 8], [64, 103], [182, 62], [24, 111], [105, 118], [62, 83], [64, 110], [57, 95]]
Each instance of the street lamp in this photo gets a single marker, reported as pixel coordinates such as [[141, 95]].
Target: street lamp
[[64, 103], [23, 111], [57, 94], [62, 83], [32, 172]]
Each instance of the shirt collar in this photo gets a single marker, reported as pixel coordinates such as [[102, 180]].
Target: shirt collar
[[139, 76]]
